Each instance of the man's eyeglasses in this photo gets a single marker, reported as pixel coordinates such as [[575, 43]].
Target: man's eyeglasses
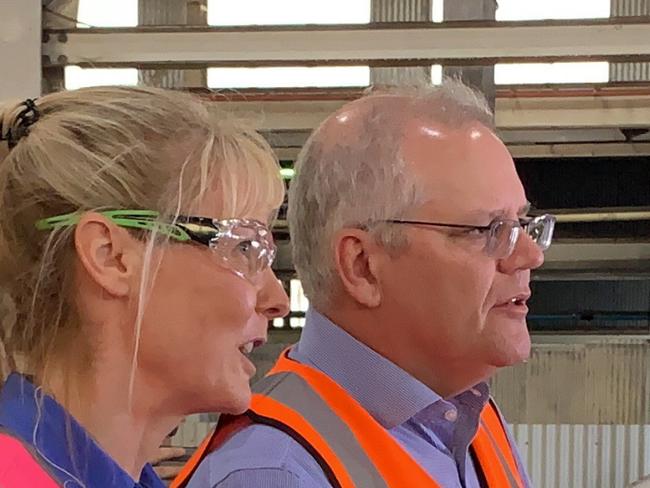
[[501, 235], [244, 246]]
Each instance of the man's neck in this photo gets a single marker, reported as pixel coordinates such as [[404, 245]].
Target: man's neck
[[446, 377]]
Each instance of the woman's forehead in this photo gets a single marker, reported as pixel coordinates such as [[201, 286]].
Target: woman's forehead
[[213, 205]]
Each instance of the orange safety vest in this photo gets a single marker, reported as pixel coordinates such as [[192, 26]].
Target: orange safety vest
[[353, 449], [20, 468]]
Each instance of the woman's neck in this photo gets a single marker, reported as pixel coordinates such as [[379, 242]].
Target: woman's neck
[[129, 430]]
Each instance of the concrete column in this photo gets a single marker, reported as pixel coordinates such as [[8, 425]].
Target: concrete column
[[172, 12], [20, 49], [58, 14], [400, 11], [197, 14], [479, 77]]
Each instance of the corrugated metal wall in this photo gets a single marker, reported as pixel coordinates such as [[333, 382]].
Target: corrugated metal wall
[[400, 10], [580, 409], [584, 456], [629, 71], [598, 381], [630, 7]]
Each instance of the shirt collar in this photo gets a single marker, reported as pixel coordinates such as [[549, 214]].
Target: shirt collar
[[387, 392], [65, 447]]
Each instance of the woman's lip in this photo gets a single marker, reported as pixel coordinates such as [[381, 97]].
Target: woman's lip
[[257, 341], [249, 365]]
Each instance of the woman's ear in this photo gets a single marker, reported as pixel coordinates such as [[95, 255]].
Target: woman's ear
[[109, 255]]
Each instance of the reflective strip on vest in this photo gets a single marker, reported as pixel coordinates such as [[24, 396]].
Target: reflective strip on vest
[[493, 431], [20, 468], [390, 464], [347, 459]]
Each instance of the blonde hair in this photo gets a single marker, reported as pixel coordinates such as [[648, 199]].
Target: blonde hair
[[359, 183], [108, 148]]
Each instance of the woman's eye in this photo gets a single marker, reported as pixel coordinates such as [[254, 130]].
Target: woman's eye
[[245, 247]]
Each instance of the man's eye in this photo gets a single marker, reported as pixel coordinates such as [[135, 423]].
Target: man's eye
[[476, 232], [524, 221]]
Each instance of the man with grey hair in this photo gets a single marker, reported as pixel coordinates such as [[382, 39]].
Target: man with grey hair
[[412, 238]]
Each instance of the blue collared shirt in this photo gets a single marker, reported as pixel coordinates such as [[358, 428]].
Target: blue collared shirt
[[63, 445], [435, 431]]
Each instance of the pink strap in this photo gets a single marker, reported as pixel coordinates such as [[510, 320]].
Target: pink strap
[[19, 469]]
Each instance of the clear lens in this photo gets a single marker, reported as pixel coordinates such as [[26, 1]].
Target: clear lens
[[245, 246], [503, 238], [540, 230], [505, 233]]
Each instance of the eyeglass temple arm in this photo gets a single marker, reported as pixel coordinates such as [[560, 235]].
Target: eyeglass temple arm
[[438, 224]]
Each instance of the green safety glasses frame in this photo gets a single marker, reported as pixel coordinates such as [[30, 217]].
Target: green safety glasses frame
[[245, 246]]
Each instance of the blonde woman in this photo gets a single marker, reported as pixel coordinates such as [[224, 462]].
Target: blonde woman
[[135, 251]]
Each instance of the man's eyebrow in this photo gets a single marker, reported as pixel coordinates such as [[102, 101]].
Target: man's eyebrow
[[498, 213], [523, 211], [484, 214]]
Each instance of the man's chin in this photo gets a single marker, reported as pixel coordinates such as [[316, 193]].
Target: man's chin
[[510, 343], [513, 355]]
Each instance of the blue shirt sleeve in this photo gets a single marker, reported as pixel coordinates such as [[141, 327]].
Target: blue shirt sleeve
[[259, 456], [261, 478]]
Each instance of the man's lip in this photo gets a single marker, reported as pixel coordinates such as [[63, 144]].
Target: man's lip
[[521, 297], [512, 310]]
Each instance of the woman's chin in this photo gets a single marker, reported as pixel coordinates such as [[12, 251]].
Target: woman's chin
[[236, 402]]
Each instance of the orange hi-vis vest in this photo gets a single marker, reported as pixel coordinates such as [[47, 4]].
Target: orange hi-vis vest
[[353, 449]]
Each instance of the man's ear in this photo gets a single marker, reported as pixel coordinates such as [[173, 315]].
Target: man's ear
[[108, 253], [357, 260]]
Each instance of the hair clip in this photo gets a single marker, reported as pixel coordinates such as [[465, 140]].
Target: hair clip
[[25, 119]]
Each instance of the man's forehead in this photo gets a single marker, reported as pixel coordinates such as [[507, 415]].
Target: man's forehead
[[472, 212], [465, 170], [397, 115], [350, 124], [436, 151], [362, 107], [428, 130]]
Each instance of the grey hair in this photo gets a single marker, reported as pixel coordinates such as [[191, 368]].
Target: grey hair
[[361, 180]]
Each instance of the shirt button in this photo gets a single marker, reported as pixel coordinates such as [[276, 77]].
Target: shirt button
[[451, 415], [475, 392]]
